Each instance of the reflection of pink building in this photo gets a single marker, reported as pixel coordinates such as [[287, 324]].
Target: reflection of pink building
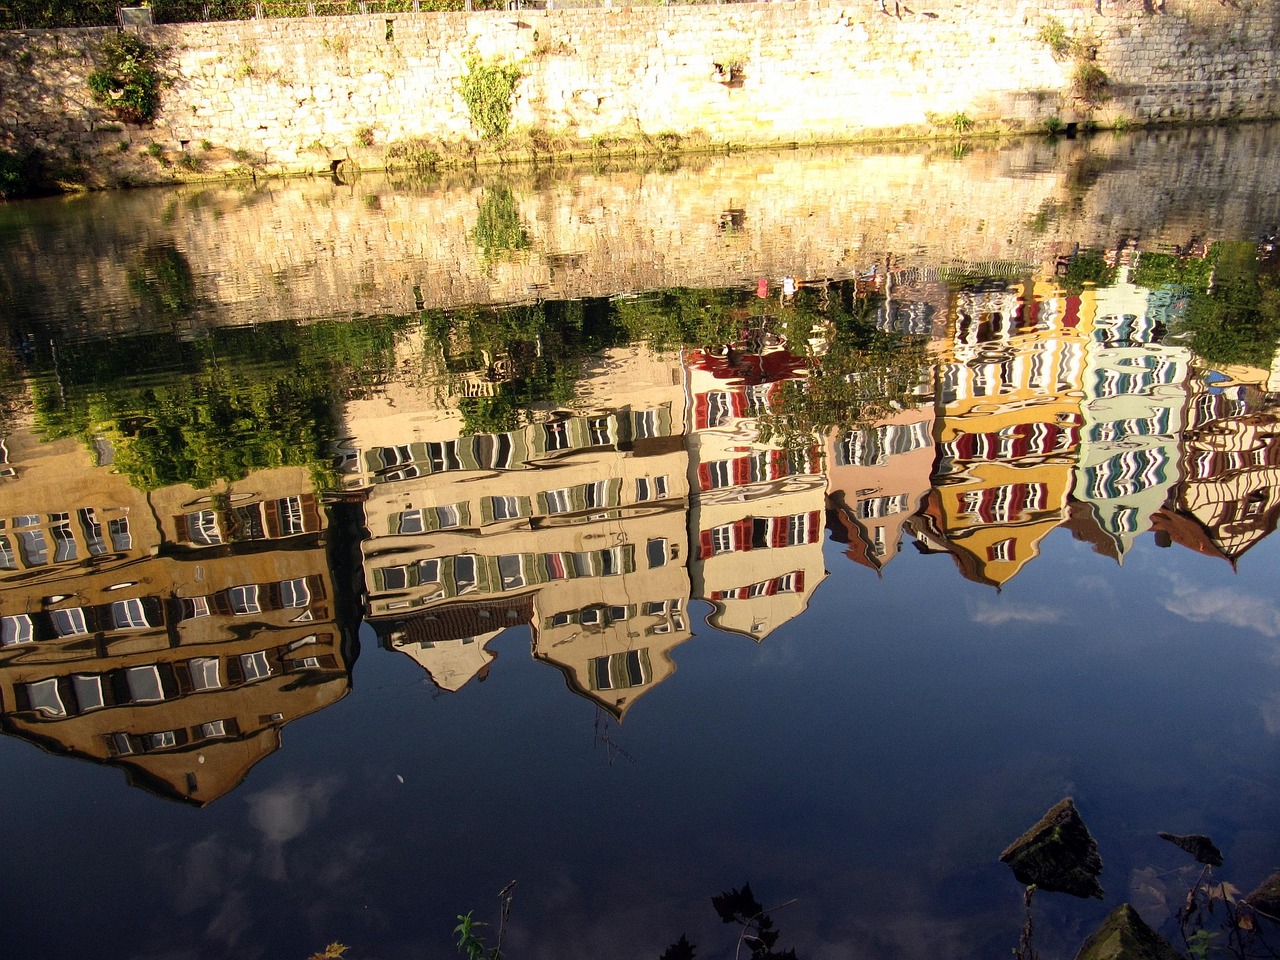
[[755, 509], [878, 477]]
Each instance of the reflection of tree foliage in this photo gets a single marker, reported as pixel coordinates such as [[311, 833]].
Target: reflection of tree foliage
[[1088, 267], [217, 409], [498, 224], [682, 315], [160, 276], [533, 353], [864, 376], [1234, 312]]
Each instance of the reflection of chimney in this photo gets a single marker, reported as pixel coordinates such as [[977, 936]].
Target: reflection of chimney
[[483, 675], [1163, 539]]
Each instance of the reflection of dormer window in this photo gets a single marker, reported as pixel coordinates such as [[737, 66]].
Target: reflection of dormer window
[[598, 431], [64, 543], [556, 434], [644, 425], [92, 532], [619, 671], [35, 551], [291, 517], [118, 530], [7, 559]]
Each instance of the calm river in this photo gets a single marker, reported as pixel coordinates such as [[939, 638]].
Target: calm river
[[813, 520]]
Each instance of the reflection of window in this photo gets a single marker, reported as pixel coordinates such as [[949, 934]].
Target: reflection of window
[[32, 544], [505, 508], [651, 488], [88, 691], [161, 740], [193, 607], [464, 572], [644, 425], [43, 696], [69, 622], [92, 532], [429, 571], [16, 629], [244, 599], [129, 615], [1001, 550], [202, 528], [255, 666], [557, 435], [558, 501], [291, 521], [511, 570], [118, 530], [449, 516], [144, 684], [598, 430], [409, 521], [306, 663], [722, 539], [295, 593], [213, 728], [394, 578], [620, 670], [26, 520], [718, 409], [657, 552], [7, 560], [204, 673], [64, 543]]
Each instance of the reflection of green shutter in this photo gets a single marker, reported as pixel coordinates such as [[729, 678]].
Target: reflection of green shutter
[[486, 511], [613, 493]]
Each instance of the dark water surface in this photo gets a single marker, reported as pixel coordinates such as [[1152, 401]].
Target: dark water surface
[[809, 520]]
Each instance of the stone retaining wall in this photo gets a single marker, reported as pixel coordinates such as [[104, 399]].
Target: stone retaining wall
[[297, 95]]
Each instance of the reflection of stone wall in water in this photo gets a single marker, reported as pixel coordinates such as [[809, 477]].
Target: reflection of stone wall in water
[[299, 250]]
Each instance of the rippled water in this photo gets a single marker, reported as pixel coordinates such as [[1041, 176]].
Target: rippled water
[[814, 520]]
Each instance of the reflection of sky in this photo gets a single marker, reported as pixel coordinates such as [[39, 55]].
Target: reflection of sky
[[870, 760]]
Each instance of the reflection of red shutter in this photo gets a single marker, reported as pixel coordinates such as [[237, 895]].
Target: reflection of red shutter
[[700, 407], [814, 526], [741, 470], [705, 546], [704, 476], [738, 403], [799, 581], [780, 531], [743, 534]]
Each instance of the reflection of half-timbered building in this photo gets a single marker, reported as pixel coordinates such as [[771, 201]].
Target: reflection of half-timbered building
[[756, 512], [572, 525], [1231, 468], [177, 661]]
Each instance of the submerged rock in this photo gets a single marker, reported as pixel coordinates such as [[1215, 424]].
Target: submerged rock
[[1125, 936], [1265, 898], [1199, 846], [1057, 854]]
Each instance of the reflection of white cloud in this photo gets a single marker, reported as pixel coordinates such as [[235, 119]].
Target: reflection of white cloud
[[284, 812], [994, 616], [1227, 606], [1271, 715]]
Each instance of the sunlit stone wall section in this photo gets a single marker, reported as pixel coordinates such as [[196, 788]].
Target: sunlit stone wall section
[[297, 94]]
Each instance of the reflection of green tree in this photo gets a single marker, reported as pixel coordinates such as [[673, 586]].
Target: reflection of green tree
[[1233, 316], [1088, 267], [683, 315], [160, 276], [498, 226], [543, 347], [217, 409]]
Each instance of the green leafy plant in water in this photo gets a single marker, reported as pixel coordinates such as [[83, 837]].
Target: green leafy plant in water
[[470, 943], [1053, 125], [961, 123], [488, 89], [128, 83]]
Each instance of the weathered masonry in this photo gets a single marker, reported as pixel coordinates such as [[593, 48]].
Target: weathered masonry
[[297, 95]]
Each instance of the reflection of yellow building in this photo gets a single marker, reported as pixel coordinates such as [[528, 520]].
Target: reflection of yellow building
[[1009, 393], [757, 511], [574, 524], [176, 661]]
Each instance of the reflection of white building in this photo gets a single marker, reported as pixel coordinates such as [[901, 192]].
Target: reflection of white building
[[573, 525], [1133, 417]]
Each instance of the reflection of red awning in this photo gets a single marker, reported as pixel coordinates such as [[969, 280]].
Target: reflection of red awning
[[738, 366]]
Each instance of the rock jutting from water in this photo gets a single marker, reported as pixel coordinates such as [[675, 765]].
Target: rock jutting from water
[[1124, 935], [1057, 854]]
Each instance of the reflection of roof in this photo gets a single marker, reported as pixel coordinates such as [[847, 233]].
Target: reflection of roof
[[739, 366], [1082, 521], [1174, 526], [454, 621]]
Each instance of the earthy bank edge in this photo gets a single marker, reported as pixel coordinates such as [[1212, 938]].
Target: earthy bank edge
[[328, 94]]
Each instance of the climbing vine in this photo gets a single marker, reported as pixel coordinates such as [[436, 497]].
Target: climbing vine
[[128, 84], [488, 90]]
